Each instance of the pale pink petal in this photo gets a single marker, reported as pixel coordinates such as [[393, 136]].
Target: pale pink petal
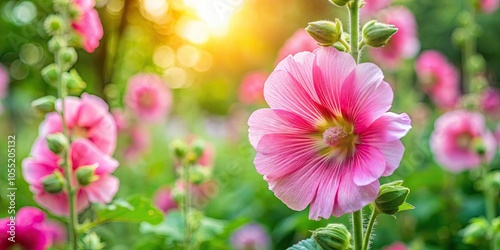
[[103, 134], [102, 190], [393, 152], [34, 171], [368, 164], [42, 153], [58, 203], [294, 153], [268, 121], [331, 68], [95, 100], [365, 96], [326, 196], [84, 153], [300, 67], [51, 124], [30, 216], [351, 197], [388, 127], [71, 106]]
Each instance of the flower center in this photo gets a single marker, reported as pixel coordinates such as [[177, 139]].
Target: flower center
[[79, 132], [334, 136], [146, 100], [464, 141]]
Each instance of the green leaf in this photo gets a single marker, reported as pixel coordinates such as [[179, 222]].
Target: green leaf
[[308, 244], [134, 209], [172, 226], [406, 206]]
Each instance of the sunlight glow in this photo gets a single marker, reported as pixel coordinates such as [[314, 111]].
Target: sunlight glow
[[215, 14], [156, 8]]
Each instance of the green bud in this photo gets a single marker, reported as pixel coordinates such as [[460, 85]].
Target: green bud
[[476, 232], [53, 183], [332, 237], [74, 11], [44, 104], [476, 63], [91, 241], [57, 143], [199, 174], [326, 33], [339, 3], [494, 179], [73, 82], [49, 74], [57, 43], [377, 34], [198, 147], [53, 24], [478, 146], [86, 175], [459, 36], [67, 57], [179, 148], [391, 197]]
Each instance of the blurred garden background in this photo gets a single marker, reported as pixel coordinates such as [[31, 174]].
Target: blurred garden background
[[203, 50]]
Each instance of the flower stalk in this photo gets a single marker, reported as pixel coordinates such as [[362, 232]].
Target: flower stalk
[[186, 207], [489, 200], [369, 228], [357, 227]]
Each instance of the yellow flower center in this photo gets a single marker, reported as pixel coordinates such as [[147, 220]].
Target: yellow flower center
[[339, 137]]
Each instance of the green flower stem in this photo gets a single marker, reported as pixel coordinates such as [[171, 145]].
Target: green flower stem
[[186, 208], [369, 229], [68, 168], [354, 25], [489, 199], [469, 47], [357, 228], [346, 45]]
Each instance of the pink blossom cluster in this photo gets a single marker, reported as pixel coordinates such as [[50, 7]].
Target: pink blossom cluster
[[87, 24], [328, 136], [251, 236], [92, 131], [31, 230]]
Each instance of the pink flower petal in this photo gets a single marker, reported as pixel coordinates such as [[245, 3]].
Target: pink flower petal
[[300, 67], [102, 190], [326, 196], [58, 203], [84, 153], [365, 96], [368, 164], [34, 171], [51, 124], [268, 121], [329, 78], [388, 127], [393, 152], [351, 197]]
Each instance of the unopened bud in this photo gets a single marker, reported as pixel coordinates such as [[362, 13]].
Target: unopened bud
[[86, 175], [91, 241], [56, 43], [44, 104], [377, 34], [53, 183], [333, 237], [476, 232], [199, 174], [67, 57], [53, 24], [73, 82], [494, 179], [391, 197], [57, 143], [476, 63], [49, 74], [326, 33], [478, 146], [340, 3], [179, 149]]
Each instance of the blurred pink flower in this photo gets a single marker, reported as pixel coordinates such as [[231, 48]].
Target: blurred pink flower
[[250, 237], [252, 88], [148, 97], [44, 163], [438, 78], [490, 102], [88, 25], [371, 7], [489, 6], [396, 246], [163, 200], [200, 193], [32, 231], [300, 41], [404, 44], [4, 81], [497, 134], [455, 137], [140, 140], [86, 117], [328, 137], [120, 119]]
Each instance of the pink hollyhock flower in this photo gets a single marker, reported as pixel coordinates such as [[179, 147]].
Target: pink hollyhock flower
[[32, 230], [396, 246], [438, 78], [250, 237], [140, 140], [164, 201], [404, 44], [87, 24], [371, 7], [43, 163], [455, 138], [4, 81], [148, 97], [252, 88], [86, 117], [200, 193], [120, 119], [298, 42], [490, 102], [489, 6], [327, 138]]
